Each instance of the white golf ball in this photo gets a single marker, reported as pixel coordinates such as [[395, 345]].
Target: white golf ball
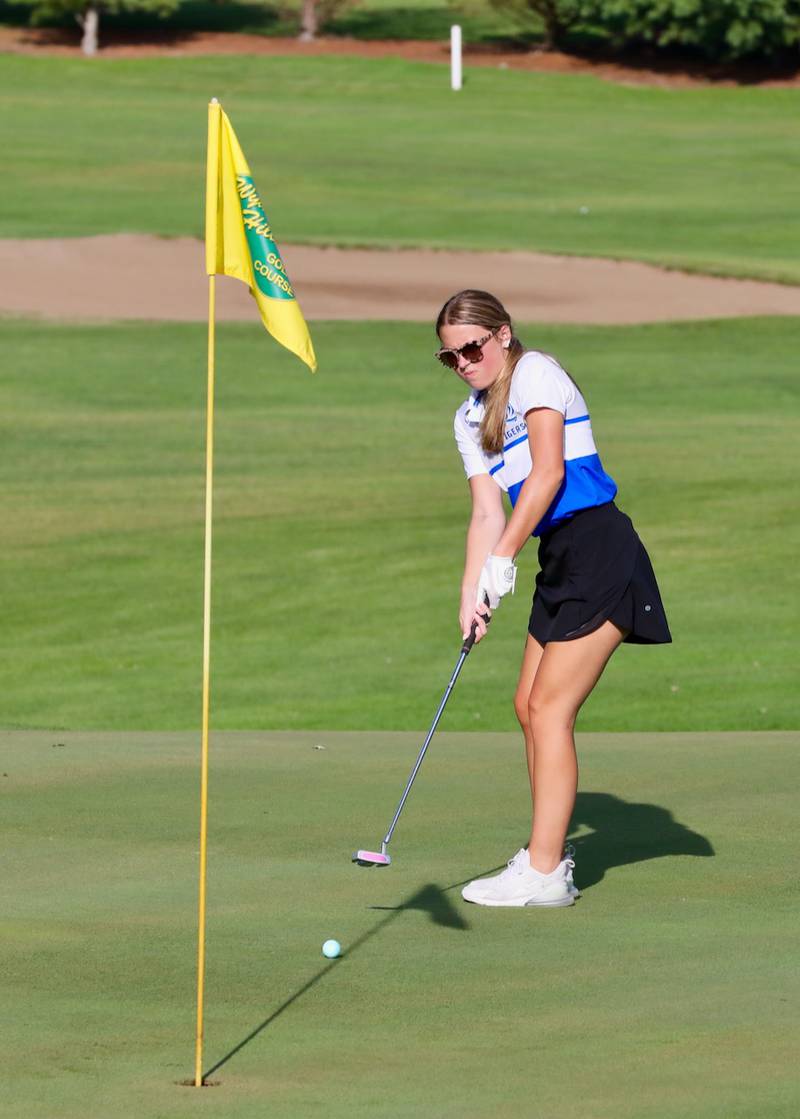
[[331, 949]]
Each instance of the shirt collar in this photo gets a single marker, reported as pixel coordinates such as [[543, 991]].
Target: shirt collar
[[475, 408]]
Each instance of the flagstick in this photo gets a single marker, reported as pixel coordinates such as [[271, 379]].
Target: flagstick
[[201, 937]]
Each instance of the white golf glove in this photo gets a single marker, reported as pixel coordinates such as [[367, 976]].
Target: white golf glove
[[497, 578]]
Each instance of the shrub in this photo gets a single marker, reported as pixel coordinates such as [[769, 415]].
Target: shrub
[[721, 30]]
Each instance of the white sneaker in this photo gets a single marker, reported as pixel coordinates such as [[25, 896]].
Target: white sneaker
[[520, 885]]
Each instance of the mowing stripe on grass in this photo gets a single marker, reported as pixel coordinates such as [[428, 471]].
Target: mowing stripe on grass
[[379, 152], [340, 516]]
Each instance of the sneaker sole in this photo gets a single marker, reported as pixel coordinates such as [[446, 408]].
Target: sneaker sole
[[569, 900], [521, 903]]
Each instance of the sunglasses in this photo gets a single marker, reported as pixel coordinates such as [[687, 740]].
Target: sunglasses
[[471, 351]]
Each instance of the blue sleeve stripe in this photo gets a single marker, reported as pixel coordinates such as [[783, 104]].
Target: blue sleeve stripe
[[524, 439], [515, 442]]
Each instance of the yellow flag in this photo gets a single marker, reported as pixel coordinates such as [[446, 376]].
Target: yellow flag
[[239, 239]]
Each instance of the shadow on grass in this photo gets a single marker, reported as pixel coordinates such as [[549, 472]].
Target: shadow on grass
[[433, 24], [141, 27], [392, 23], [430, 899], [624, 833], [434, 901], [247, 16]]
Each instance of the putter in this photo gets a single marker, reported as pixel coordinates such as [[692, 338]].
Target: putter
[[382, 858]]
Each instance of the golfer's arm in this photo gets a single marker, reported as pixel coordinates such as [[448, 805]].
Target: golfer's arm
[[546, 436], [486, 525]]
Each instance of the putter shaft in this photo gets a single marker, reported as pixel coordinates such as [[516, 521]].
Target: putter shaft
[[465, 651]]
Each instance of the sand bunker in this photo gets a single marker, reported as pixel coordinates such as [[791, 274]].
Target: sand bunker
[[132, 276]]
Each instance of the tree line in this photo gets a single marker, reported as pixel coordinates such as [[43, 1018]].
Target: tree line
[[716, 30]]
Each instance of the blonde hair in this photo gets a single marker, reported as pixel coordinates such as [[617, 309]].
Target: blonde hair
[[481, 308]]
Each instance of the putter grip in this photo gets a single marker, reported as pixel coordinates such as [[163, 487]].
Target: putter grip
[[469, 641]]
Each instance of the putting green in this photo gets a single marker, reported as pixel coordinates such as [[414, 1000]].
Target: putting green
[[667, 991]]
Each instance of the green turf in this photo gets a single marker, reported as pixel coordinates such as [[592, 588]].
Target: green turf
[[668, 992], [340, 511], [381, 152]]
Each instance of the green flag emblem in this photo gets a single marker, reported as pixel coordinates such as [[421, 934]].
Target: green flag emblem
[[270, 274]]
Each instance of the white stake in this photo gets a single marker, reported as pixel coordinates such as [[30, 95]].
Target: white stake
[[455, 57]]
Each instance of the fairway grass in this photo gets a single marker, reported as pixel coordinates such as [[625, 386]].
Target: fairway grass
[[355, 151], [340, 512], [668, 991]]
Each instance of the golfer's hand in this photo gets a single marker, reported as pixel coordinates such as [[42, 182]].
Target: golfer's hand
[[470, 613], [497, 578]]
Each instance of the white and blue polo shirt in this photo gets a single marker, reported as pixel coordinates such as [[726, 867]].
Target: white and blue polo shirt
[[538, 381]]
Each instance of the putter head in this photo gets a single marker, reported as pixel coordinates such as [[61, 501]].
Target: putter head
[[371, 858]]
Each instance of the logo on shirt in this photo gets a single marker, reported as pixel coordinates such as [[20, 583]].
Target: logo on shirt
[[515, 430]]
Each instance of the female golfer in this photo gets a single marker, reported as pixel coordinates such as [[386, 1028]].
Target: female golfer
[[525, 431]]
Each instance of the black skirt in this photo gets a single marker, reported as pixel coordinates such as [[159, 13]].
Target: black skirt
[[594, 568]]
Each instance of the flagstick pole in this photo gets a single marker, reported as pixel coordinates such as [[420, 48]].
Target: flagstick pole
[[201, 937]]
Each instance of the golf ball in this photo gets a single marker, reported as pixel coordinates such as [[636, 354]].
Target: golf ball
[[331, 949]]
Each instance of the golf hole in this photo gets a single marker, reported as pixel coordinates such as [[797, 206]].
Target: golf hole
[[204, 1084]]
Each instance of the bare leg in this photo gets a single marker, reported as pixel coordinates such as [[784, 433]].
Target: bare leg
[[566, 673], [527, 674]]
